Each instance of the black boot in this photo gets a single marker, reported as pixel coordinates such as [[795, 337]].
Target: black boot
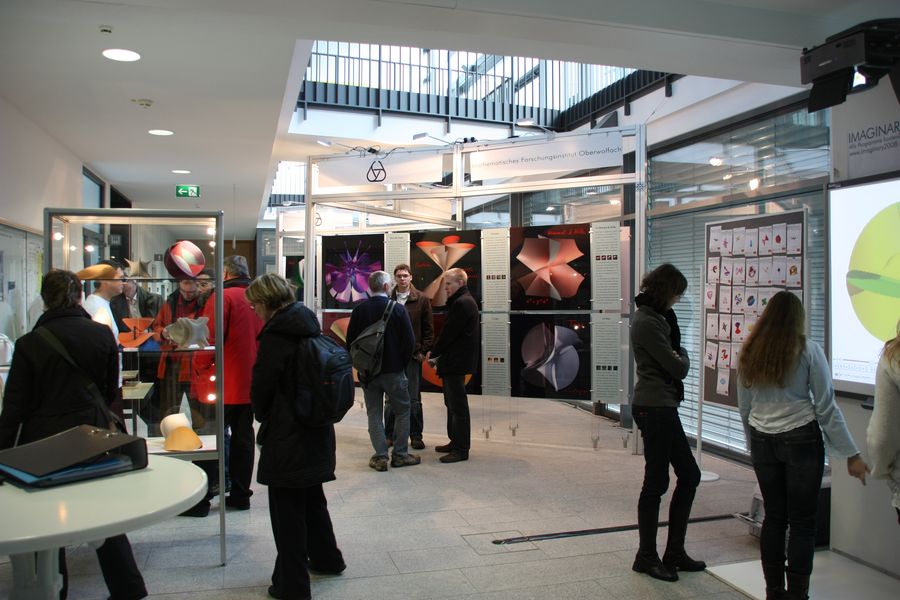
[[774, 576], [652, 566], [678, 560], [797, 586]]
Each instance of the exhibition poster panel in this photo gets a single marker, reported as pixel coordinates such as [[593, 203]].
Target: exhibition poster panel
[[748, 261], [606, 266], [550, 267], [396, 251], [606, 340], [495, 356], [347, 262], [433, 253], [550, 356], [495, 261]]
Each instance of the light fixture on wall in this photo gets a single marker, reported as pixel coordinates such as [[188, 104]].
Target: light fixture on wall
[[527, 122], [425, 134]]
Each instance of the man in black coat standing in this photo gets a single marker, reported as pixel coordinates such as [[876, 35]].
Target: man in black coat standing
[[455, 354]]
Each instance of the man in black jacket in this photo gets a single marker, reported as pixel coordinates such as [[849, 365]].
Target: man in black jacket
[[391, 380], [36, 406], [455, 355]]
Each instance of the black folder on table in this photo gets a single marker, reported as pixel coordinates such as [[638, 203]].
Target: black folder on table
[[79, 453]]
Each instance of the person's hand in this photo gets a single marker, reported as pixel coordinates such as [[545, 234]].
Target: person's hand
[[858, 468]]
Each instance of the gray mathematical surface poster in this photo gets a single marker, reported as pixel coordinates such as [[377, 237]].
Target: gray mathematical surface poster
[[495, 354], [495, 269], [606, 291], [396, 250], [606, 338]]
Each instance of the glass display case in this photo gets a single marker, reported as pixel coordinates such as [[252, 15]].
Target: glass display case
[[150, 278]]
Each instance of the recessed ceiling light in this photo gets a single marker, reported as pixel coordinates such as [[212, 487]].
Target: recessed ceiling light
[[550, 209], [121, 55], [210, 231], [180, 171], [753, 183], [716, 161], [160, 132]]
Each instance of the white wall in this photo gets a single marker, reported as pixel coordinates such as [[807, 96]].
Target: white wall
[[36, 171]]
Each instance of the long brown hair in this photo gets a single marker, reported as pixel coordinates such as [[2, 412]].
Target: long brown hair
[[892, 347], [661, 285], [771, 351]]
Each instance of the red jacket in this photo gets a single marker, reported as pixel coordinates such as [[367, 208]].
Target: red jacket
[[241, 328]]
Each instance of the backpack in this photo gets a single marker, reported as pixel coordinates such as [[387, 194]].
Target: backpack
[[368, 346], [325, 373]]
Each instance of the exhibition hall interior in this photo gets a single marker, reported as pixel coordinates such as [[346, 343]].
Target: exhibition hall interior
[[554, 154]]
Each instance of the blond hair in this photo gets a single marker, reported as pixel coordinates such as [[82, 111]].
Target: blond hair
[[270, 290], [457, 274], [892, 347]]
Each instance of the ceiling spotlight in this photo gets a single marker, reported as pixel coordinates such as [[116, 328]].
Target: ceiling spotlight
[[425, 134], [210, 231], [326, 143], [58, 236], [212, 243], [716, 161], [753, 183], [160, 132], [121, 55], [90, 248], [550, 209], [181, 171], [727, 176]]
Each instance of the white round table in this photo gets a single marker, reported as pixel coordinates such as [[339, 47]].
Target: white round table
[[34, 523]]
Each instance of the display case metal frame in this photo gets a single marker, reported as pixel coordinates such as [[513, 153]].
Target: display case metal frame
[[69, 217]]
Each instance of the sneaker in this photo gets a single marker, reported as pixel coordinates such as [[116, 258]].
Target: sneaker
[[445, 448], [237, 503], [454, 456], [379, 463], [417, 444], [406, 460]]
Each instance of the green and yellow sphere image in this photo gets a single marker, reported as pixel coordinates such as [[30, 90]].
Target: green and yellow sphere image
[[873, 279]]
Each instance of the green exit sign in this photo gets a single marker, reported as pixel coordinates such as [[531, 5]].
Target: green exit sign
[[187, 191]]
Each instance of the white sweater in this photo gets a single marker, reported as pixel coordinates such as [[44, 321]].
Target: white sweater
[[883, 435]]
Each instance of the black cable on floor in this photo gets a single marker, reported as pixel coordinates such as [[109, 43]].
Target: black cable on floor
[[565, 534]]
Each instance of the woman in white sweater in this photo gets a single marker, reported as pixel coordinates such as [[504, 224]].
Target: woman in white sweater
[[883, 435]]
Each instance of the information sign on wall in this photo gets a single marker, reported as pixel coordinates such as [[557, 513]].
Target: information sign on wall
[[575, 153]]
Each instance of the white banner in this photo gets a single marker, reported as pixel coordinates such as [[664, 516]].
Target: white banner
[[606, 266], [576, 153], [402, 167], [495, 269], [606, 339]]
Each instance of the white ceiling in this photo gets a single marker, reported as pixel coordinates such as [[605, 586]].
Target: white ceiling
[[220, 71]]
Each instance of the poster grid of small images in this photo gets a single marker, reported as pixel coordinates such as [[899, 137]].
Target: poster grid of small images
[[748, 261]]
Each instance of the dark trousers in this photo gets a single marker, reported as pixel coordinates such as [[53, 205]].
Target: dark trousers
[[459, 424], [120, 571], [664, 444], [303, 532], [239, 453], [789, 469], [416, 419]]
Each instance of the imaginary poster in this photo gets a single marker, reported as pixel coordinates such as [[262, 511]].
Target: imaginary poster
[[550, 356], [550, 267], [347, 263], [433, 253]]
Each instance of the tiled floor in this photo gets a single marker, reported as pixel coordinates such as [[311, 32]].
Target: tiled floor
[[427, 531]]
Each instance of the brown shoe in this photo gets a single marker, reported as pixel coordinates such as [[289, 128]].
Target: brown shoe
[[406, 460], [445, 448], [454, 456], [379, 463]]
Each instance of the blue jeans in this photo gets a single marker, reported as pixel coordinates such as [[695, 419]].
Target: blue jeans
[[416, 421], [395, 387], [789, 469], [664, 444]]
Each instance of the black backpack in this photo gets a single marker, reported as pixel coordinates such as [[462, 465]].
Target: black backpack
[[325, 372], [368, 346]]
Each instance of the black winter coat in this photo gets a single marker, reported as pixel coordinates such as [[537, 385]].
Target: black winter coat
[[43, 392], [291, 455], [457, 346]]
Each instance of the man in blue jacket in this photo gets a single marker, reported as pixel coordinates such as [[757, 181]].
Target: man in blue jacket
[[391, 379]]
